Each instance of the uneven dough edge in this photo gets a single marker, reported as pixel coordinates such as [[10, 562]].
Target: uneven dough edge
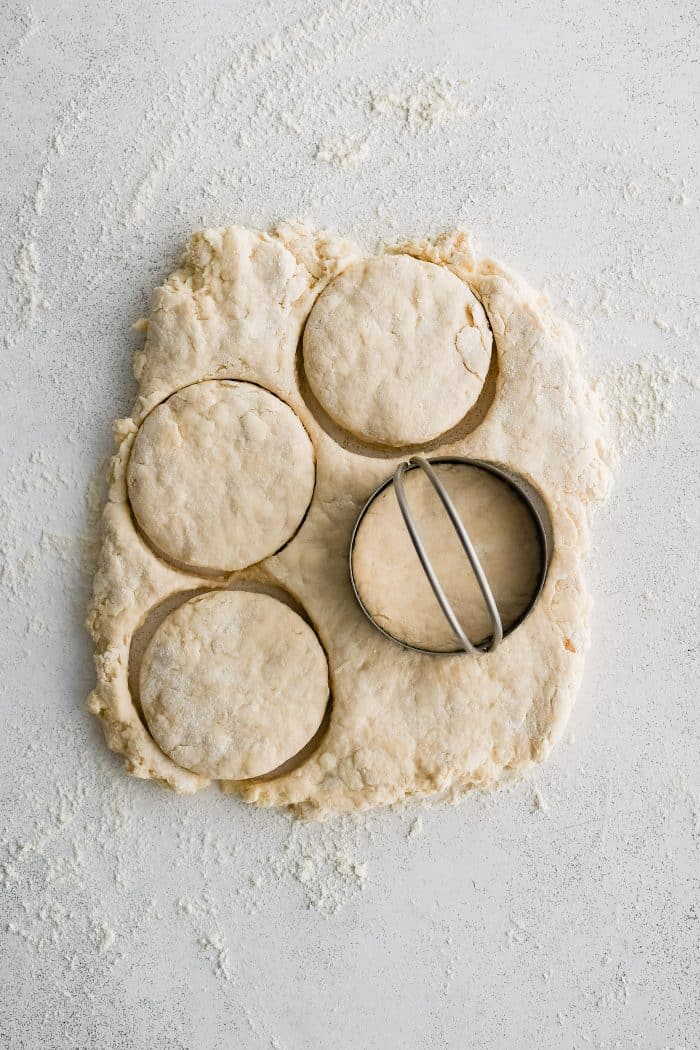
[[184, 344], [200, 327]]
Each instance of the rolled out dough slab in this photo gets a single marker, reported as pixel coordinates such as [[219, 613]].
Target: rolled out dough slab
[[402, 724]]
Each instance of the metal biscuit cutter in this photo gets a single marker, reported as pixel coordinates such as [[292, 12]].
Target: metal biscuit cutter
[[540, 516]]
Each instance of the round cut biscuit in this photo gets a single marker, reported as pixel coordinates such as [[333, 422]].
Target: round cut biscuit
[[220, 475], [396, 350], [233, 683]]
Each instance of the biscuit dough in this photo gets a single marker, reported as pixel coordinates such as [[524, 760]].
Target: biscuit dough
[[396, 350], [390, 578], [401, 723], [233, 684], [220, 475]]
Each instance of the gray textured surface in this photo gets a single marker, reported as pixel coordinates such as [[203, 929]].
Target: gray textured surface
[[563, 913]]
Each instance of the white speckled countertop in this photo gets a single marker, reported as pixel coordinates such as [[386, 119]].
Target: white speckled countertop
[[562, 913]]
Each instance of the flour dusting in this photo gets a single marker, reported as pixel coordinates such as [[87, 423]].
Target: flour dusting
[[343, 153], [127, 911], [638, 399], [430, 102]]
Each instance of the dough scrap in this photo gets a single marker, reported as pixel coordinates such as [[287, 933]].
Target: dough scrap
[[233, 683], [221, 475], [396, 350], [390, 578], [401, 724]]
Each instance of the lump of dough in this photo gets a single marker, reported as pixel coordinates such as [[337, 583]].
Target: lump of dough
[[390, 578], [220, 475], [396, 350], [233, 683]]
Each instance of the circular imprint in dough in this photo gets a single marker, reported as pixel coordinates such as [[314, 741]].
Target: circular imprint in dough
[[390, 579], [233, 683], [396, 350], [220, 475]]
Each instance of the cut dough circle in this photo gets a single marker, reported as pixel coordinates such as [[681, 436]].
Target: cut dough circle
[[396, 350], [391, 581], [220, 475], [233, 683]]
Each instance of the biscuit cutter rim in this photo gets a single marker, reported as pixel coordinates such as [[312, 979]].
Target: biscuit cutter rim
[[538, 511]]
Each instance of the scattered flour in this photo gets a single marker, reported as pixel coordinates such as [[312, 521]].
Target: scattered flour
[[416, 828], [430, 102], [539, 801], [323, 860], [27, 26], [637, 398], [36, 553], [77, 878], [106, 936], [259, 84], [343, 153], [204, 916], [28, 297], [25, 279]]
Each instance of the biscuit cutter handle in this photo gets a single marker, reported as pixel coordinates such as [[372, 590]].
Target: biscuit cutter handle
[[468, 547]]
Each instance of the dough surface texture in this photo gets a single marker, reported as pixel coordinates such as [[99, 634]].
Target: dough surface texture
[[401, 723], [396, 350], [220, 475], [233, 684], [390, 578]]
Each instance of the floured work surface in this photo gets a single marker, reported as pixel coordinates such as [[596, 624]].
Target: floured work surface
[[386, 723]]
